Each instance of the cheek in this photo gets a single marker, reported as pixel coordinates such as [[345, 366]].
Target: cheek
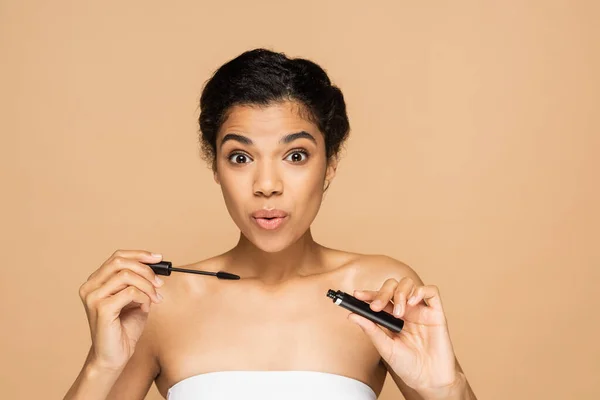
[[234, 191], [306, 191]]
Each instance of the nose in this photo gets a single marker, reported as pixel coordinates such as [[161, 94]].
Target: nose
[[267, 181]]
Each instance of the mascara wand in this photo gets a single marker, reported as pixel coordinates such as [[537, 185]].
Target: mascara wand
[[166, 267]]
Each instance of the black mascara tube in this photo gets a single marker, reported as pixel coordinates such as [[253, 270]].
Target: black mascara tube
[[362, 308]]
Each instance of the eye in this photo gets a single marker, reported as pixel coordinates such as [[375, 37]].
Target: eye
[[298, 156], [239, 158]]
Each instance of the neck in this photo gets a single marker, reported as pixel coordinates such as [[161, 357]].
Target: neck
[[299, 259]]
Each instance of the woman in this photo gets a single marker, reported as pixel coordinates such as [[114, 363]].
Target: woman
[[272, 128]]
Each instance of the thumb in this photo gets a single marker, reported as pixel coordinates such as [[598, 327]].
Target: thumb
[[382, 342]]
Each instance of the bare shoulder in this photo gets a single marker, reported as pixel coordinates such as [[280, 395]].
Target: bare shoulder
[[180, 292], [375, 269]]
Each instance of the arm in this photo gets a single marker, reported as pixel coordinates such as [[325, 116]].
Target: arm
[[131, 382], [460, 391], [93, 382]]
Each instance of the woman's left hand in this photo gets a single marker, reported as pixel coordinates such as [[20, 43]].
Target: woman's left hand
[[421, 354]]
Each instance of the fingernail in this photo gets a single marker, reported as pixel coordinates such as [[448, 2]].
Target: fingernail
[[160, 297], [156, 255], [397, 309], [376, 303], [412, 300], [158, 281]]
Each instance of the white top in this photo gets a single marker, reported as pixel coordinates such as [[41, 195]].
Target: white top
[[267, 385]]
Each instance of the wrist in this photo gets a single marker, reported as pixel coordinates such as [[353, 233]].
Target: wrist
[[95, 366], [94, 370], [94, 382], [457, 390]]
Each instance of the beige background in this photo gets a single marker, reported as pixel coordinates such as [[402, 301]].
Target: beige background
[[473, 157]]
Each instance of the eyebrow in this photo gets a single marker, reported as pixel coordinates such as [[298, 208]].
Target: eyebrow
[[284, 140]]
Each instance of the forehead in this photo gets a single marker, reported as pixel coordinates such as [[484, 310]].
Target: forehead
[[268, 122]]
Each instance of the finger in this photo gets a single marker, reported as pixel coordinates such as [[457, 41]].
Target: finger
[[119, 282], [366, 295], [110, 308], [382, 342], [123, 259], [369, 295], [138, 255], [385, 295], [404, 289], [430, 294]]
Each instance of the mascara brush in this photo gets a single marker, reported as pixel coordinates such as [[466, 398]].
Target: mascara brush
[[166, 267]]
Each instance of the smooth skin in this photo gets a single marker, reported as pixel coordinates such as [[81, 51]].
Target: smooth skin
[[277, 317]]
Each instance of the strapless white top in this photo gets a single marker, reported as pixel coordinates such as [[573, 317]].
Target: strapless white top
[[267, 385]]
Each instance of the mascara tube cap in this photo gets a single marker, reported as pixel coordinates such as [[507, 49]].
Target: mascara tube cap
[[162, 268]]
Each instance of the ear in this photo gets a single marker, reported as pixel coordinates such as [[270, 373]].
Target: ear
[[216, 177], [331, 168]]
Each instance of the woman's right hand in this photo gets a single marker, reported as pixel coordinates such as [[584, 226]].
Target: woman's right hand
[[117, 298]]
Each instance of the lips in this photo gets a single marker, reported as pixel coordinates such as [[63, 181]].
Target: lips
[[269, 219], [269, 214]]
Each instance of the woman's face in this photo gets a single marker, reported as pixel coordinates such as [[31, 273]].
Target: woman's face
[[270, 158]]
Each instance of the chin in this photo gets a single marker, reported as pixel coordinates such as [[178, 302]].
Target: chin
[[270, 241], [273, 244]]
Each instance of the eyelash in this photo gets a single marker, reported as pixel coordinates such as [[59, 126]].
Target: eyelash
[[235, 153]]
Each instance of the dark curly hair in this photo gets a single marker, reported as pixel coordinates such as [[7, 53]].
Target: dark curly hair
[[263, 77]]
